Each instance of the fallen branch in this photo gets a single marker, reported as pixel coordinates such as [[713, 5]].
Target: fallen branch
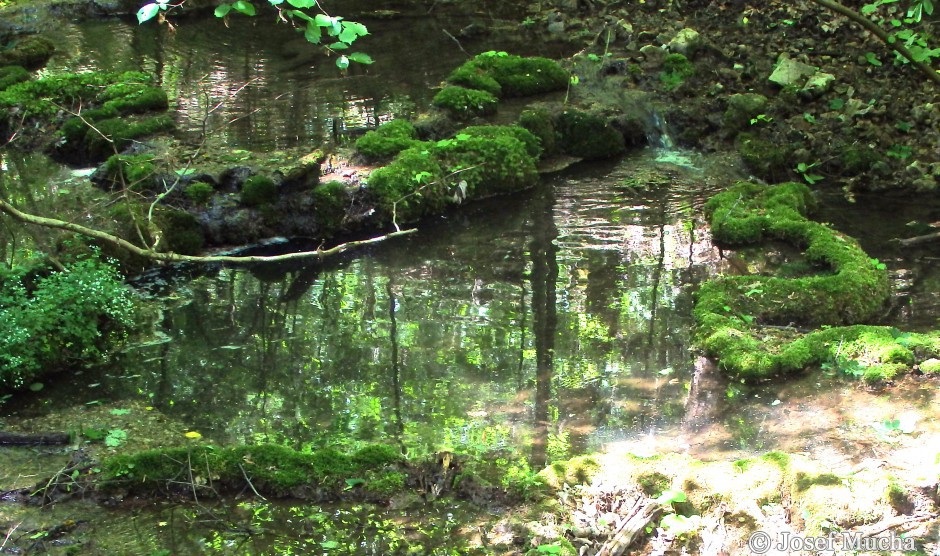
[[34, 439], [163, 257], [916, 240], [643, 513]]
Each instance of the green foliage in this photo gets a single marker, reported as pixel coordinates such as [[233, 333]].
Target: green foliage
[[588, 136], [129, 170], [505, 75], [465, 103], [330, 202], [258, 190], [31, 52], [11, 75], [388, 140], [199, 192], [907, 30], [532, 143], [676, 70], [805, 170], [52, 319]]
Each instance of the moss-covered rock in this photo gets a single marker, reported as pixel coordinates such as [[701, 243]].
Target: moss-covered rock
[[387, 140], [135, 172], [330, 201], [11, 75], [465, 103], [199, 192], [506, 75], [540, 123], [588, 136], [767, 160], [116, 134], [848, 287], [181, 232], [31, 52], [676, 69], [258, 190], [742, 108]]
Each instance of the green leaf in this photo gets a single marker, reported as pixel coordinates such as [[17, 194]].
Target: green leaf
[[312, 33], [36, 386], [242, 6], [361, 57], [147, 12], [329, 544], [872, 59], [670, 496], [351, 483], [298, 14], [357, 28], [119, 411], [115, 438], [222, 10], [302, 3], [342, 62], [339, 46]]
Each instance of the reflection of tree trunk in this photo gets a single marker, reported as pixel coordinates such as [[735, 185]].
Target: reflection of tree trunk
[[396, 365], [543, 277], [656, 281]]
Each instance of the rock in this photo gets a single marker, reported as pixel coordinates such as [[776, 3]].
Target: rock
[[817, 85], [654, 56], [556, 27], [789, 72], [687, 42], [742, 108]]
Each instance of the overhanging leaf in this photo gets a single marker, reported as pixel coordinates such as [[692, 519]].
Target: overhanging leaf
[[147, 12]]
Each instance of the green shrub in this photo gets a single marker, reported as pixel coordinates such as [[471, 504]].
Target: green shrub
[[258, 190], [11, 75], [199, 192], [465, 103], [387, 140], [68, 317]]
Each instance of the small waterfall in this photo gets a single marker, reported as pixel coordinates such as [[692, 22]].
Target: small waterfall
[[657, 134]]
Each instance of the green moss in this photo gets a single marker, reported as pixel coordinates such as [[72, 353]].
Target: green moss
[[464, 103], [803, 481], [676, 69], [30, 52], [532, 143], [199, 192], [11, 75], [258, 190], [515, 76], [181, 232], [377, 455], [388, 140], [856, 159], [132, 171], [386, 484], [742, 108], [120, 133], [766, 159], [540, 123], [930, 366], [588, 136], [654, 483], [898, 498], [330, 202], [425, 180]]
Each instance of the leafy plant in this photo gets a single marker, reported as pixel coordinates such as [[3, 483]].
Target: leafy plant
[[805, 170], [115, 438], [761, 119]]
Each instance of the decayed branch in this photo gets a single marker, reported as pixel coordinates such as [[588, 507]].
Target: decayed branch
[[162, 257]]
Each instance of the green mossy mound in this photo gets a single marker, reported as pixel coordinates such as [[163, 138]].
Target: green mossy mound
[[477, 162], [199, 192], [258, 190], [104, 101], [588, 136], [506, 75], [181, 232], [387, 140], [265, 468], [330, 201], [848, 288], [31, 52], [463, 103], [132, 171], [540, 123], [766, 159], [11, 75], [169, 230], [676, 69]]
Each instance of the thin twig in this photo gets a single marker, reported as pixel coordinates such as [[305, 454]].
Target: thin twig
[[247, 480]]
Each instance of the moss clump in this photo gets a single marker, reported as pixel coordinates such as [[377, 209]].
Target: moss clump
[[126, 170], [856, 160], [588, 136], [653, 483], [930, 366], [330, 202], [742, 108], [540, 123], [181, 232], [11, 75], [117, 134], [30, 52], [461, 102], [766, 159], [513, 76], [271, 469], [533, 145], [676, 69], [849, 288], [258, 190], [388, 140], [473, 164], [199, 192]]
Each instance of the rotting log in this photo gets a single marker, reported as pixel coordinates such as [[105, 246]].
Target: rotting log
[[33, 439]]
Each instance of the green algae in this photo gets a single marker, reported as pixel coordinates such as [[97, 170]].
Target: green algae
[[848, 288]]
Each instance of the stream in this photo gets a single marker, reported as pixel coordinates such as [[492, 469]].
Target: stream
[[551, 323]]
